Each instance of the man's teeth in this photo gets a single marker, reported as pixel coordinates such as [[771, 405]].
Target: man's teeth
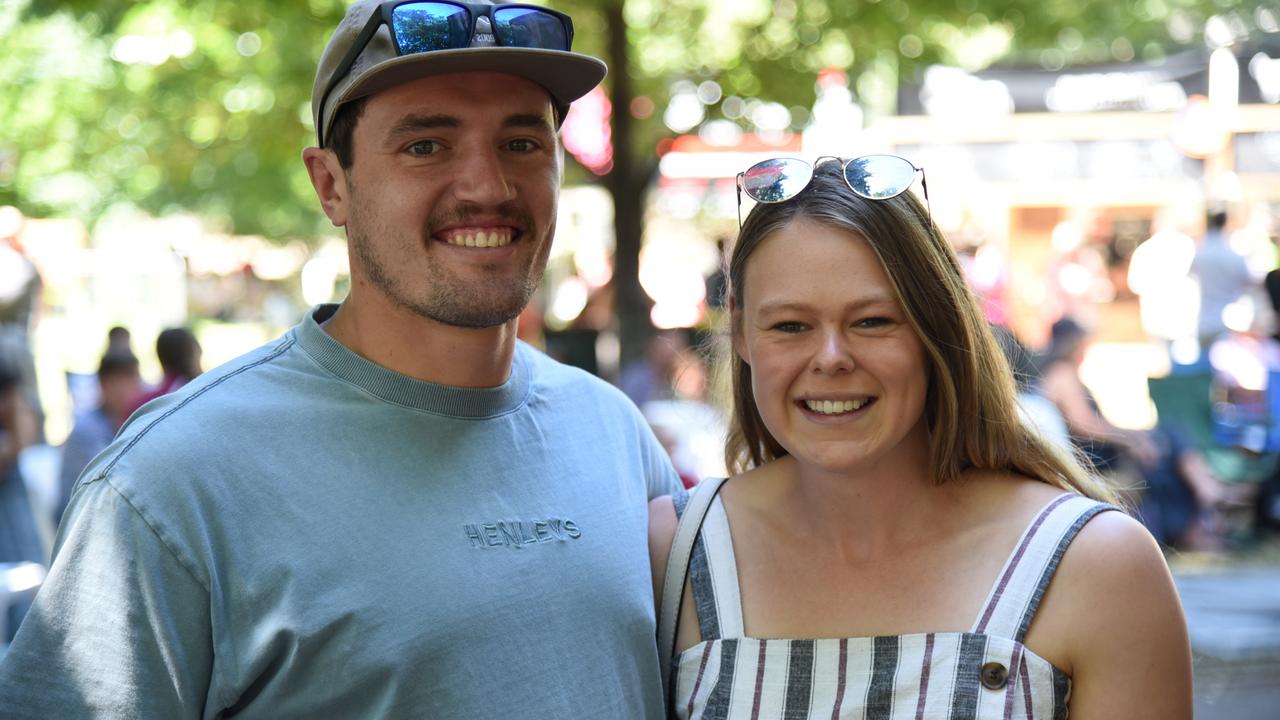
[[481, 239], [834, 407]]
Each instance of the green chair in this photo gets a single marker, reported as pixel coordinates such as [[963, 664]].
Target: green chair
[[1185, 402]]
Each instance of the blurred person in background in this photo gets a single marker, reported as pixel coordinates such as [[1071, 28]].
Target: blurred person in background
[[395, 509], [652, 376], [119, 383], [179, 354], [1101, 441], [19, 533], [119, 340], [691, 429], [715, 282], [1179, 496], [1223, 276], [1159, 275], [1267, 507], [1033, 405], [20, 288]]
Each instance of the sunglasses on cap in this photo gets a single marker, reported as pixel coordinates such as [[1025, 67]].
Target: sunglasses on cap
[[874, 177], [419, 26]]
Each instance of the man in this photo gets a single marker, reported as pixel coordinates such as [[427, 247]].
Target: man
[[20, 289], [395, 510], [119, 383], [1223, 275], [179, 354]]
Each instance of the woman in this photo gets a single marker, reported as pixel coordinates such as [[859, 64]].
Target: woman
[[19, 536], [1102, 443], [889, 501], [1180, 496]]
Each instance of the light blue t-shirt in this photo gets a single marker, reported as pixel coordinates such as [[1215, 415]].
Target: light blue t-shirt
[[302, 533]]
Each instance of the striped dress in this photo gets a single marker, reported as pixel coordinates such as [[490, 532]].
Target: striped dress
[[983, 673]]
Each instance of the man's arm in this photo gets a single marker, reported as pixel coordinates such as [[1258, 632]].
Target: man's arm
[[120, 628], [659, 472], [77, 452]]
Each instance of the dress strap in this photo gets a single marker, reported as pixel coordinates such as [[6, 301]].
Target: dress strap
[[1021, 584], [713, 575]]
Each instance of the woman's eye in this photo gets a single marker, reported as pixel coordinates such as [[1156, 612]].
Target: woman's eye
[[424, 147], [873, 322], [788, 327]]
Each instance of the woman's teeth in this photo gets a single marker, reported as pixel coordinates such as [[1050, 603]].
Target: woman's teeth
[[834, 407]]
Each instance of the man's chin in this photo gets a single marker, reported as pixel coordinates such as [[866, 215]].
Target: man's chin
[[471, 317]]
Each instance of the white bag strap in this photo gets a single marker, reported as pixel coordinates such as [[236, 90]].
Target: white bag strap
[[678, 570]]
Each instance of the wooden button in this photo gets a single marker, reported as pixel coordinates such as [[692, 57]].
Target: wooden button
[[994, 676]]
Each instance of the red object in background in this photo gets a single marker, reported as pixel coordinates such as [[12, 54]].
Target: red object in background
[[587, 134]]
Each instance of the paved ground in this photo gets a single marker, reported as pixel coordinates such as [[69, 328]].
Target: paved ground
[[1233, 614]]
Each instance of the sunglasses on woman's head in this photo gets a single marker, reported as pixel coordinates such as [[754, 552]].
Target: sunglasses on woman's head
[[419, 26], [874, 177]]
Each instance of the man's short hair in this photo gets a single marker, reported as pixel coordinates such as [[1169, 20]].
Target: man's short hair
[[178, 350], [343, 138], [117, 364]]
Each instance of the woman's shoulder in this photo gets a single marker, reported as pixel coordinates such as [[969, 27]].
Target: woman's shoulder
[[1113, 559], [1113, 611], [1111, 584]]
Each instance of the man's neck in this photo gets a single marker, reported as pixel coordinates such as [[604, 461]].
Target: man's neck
[[422, 348]]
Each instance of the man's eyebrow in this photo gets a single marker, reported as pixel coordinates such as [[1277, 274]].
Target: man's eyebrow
[[532, 121], [413, 123], [410, 124]]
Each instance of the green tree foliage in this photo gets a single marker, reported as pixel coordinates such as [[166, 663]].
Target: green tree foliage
[[165, 104], [203, 105]]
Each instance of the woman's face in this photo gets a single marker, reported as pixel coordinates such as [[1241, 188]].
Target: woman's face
[[838, 373]]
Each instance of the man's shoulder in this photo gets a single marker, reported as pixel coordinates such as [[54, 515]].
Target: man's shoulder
[[553, 375], [198, 420]]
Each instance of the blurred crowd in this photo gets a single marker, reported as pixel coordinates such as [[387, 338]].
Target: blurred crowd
[[1205, 476], [34, 492]]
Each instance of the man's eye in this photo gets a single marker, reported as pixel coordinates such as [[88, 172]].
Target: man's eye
[[522, 145], [423, 147]]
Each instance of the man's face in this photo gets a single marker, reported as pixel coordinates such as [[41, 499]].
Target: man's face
[[119, 391], [451, 197]]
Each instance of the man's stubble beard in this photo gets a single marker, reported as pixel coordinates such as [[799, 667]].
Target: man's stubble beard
[[440, 294]]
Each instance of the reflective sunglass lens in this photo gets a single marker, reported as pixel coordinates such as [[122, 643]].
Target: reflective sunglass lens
[[426, 26], [773, 181], [879, 177], [529, 28]]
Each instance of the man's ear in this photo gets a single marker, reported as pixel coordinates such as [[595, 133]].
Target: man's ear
[[330, 182]]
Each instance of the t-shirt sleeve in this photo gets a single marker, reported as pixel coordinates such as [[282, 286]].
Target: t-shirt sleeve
[[659, 472], [77, 452], [120, 627]]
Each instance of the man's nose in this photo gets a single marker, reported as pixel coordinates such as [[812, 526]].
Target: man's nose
[[483, 179]]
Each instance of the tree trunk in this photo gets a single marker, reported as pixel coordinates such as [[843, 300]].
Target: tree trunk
[[627, 185]]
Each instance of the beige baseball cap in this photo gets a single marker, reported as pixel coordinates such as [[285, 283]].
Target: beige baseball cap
[[566, 76]]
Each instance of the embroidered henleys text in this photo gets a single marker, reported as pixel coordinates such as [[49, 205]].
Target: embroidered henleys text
[[519, 533]]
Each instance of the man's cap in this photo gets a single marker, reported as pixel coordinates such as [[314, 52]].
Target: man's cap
[[566, 76]]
